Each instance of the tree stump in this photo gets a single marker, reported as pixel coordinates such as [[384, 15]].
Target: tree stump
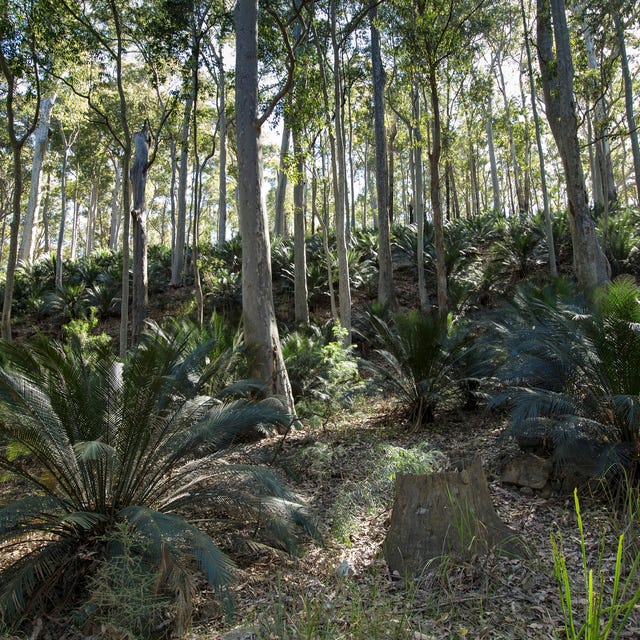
[[448, 513]]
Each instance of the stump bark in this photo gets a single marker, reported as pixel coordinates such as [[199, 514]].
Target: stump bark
[[447, 513]]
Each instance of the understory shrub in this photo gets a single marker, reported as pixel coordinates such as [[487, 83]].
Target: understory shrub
[[425, 359], [125, 446], [322, 370], [571, 370]]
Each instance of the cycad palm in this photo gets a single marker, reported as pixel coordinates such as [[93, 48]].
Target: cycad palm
[[425, 360], [573, 371], [130, 442]]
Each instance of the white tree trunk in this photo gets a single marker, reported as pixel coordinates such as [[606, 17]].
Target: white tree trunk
[[260, 330], [41, 137], [280, 224], [495, 183], [222, 189]]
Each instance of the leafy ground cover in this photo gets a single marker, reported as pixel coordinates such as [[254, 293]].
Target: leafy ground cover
[[342, 589]]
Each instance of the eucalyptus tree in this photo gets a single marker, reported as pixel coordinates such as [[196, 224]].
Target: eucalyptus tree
[[556, 65], [26, 41], [113, 33], [438, 30], [260, 328], [619, 20], [501, 39], [604, 186], [553, 269], [383, 185], [40, 143]]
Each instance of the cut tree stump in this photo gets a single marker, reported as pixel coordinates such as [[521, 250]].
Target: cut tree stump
[[448, 513]]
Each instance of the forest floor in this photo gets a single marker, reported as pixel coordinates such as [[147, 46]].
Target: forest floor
[[341, 588]]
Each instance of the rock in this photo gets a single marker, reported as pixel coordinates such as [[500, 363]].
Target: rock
[[527, 470], [448, 513], [344, 570]]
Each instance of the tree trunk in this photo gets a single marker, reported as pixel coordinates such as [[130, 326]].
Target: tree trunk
[[46, 212], [114, 227], [139, 300], [628, 99], [260, 329], [63, 210], [495, 183], [606, 186], [436, 205], [590, 264], [553, 269], [41, 138], [386, 295], [391, 152], [222, 188], [340, 181], [419, 199], [517, 178], [177, 262], [299, 250], [13, 242], [281, 189], [92, 212]]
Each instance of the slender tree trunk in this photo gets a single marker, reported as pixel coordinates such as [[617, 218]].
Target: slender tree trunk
[[92, 211], [628, 98], [325, 235], [41, 138], [299, 250], [260, 328], [222, 187], [393, 132], [73, 250], [386, 295], [517, 178], [590, 264], [178, 259], [281, 189], [553, 269], [606, 186], [13, 242], [495, 183], [141, 140], [46, 213], [419, 199], [114, 227], [340, 180], [436, 205]]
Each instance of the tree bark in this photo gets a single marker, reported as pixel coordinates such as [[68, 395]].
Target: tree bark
[[260, 329], [299, 249], [222, 161], [386, 295], [177, 262], [41, 138], [419, 199], [114, 227], [281, 189], [495, 182], [628, 98], [590, 264], [141, 140], [340, 181], [436, 204], [553, 269]]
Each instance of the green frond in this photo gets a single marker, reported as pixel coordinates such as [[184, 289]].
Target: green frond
[[39, 569], [23, 511], [181, 538]]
